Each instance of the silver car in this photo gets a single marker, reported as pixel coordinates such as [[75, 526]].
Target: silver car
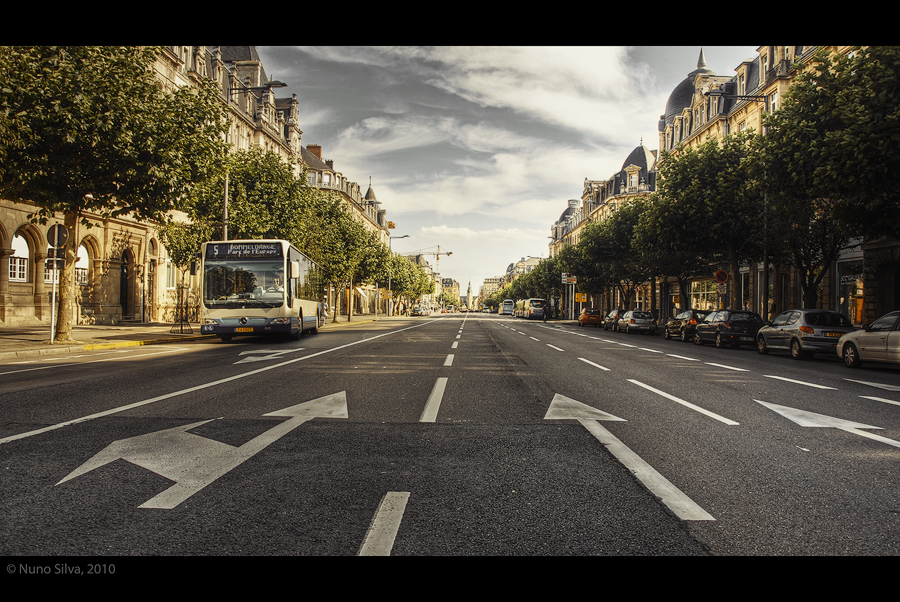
[[803, 332], [876, 342], [637, 321]]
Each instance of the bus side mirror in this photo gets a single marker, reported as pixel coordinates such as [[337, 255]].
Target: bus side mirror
[[295, 269]]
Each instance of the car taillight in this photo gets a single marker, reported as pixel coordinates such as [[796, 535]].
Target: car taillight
[[727, 325], [807, 329], [631, 320], [693, 322]]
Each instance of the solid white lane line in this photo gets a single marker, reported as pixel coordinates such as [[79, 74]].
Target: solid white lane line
[[686, 404], [429, 414], [727, 367], [199, 387], [380, 537], [799, 382], [684, 507], [449, 360], [554, 347], [593, 364]]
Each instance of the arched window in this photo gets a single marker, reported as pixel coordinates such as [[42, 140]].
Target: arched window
[[18, 263]]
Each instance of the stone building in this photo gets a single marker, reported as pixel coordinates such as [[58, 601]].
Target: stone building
[[123, 272], [864, 281]]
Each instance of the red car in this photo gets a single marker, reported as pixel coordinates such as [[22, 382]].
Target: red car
[[590, 316]]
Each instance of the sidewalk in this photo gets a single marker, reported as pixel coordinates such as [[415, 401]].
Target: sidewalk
[[30, 341]]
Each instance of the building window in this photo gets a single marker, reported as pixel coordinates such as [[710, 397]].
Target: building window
[[170, 274], [774, 101], [18, 263]]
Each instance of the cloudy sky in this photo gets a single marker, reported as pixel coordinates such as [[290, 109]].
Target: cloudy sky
[[478, 149]]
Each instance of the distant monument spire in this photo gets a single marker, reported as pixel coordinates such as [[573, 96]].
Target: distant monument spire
[[701, 63]]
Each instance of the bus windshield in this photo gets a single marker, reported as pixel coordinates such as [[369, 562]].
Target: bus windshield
[[237, 283]]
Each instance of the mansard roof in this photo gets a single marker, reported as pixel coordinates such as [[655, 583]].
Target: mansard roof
[[642, 157], [683, 93]]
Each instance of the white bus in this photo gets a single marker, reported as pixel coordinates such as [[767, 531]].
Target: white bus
[[531, 308], [507, 307], [259, 287]]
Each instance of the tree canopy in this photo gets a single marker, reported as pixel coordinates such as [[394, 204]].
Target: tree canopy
[[91, 132]]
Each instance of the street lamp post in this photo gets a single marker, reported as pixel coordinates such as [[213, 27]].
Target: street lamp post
[[272, 83]]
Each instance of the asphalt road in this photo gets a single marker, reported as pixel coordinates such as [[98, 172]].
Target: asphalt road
[[459, 435]]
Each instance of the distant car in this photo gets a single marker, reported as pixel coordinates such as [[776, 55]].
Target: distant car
[[875, 342], [683, 325], [611, 321], [804, 332], [590, 316], [729, 328], [419, 311], [637, 321]]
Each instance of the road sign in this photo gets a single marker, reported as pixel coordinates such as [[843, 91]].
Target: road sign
[[721, 276], [580, 297], [57, 235]]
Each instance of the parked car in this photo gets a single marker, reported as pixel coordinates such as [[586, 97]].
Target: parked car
[[804, 332], [419, 311], [729, 327], [590, 316], [683, 325], [875, 342], [610, 322], [637, 321]]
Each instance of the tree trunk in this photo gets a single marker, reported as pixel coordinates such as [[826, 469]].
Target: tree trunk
[[65, 295]]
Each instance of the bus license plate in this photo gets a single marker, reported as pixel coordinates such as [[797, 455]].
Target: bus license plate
[[247, 329]]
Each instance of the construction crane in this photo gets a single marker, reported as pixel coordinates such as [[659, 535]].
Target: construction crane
[[436, 254]]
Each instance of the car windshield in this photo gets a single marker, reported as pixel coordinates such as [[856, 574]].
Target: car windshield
[[740, 316], [828, 319]]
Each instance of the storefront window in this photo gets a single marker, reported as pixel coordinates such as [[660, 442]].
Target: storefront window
[[704, 295], [850, 290]]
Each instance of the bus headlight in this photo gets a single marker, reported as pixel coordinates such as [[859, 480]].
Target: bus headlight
[[283, 320], [210, 321]]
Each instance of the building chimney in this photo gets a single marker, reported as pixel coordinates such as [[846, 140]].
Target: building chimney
[[315, 149]]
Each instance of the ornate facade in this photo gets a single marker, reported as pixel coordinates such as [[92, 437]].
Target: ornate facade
[[123, 272]]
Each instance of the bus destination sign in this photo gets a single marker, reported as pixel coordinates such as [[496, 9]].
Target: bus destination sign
[[244, 250]]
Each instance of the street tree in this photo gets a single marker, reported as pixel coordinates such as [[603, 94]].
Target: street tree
[[95, 136], [836, 138]]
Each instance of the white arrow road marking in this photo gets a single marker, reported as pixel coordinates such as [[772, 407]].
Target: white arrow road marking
[[194, 462], [273, 354], [380, 537], [811, 419], [685, 508], [879, 385], [686, 404]]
